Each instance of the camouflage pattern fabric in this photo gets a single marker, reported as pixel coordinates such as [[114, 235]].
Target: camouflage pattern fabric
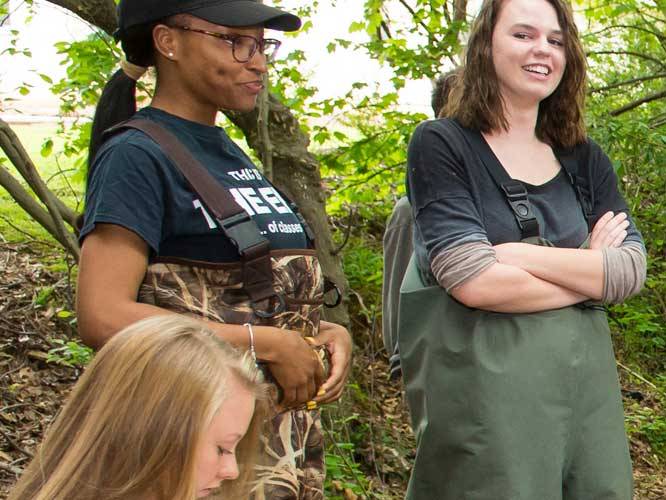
[[293, 459], [291, 465]]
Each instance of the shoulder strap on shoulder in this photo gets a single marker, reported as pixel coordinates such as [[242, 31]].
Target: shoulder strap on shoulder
[[513, 190], [234, 222], [584, 193]]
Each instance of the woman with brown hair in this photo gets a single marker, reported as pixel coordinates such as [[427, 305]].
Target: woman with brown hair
[[165, 411], [179, 219], [521, 233]]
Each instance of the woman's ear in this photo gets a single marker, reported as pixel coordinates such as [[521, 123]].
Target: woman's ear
[[166, 41]]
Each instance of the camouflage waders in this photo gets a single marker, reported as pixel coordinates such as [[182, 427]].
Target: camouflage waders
[[291, 465]]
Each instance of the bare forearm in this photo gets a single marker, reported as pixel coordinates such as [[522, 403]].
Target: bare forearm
[[579, 270], [508, 289], [96, 327]]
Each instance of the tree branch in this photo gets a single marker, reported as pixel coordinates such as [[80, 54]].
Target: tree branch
[[100, 13], [460, 10], [627, 53], [27, 202], [25, 167], [628, 82], [638, 102], [657, 35], [12, 147], [417, 18]]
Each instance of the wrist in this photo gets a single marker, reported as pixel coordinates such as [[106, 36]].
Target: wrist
[[266, 343]]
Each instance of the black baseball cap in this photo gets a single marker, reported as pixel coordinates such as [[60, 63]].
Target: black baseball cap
[[134, 13]]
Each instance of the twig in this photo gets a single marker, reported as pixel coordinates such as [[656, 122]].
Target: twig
[[352, 212], [637, 375], [634, 104], [17, 405], [15, 445], [16, 228], [11, 371], [373, 358], [11, 469]]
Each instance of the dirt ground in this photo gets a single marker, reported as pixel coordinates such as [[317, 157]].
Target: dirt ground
[[32, 389]]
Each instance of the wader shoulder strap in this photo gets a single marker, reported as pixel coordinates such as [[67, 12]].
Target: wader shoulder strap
[[235, 222], [584, 194], [513, 190]]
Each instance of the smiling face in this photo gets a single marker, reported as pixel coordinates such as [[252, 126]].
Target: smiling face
[[528, 51], [215, 456], [208, 76]]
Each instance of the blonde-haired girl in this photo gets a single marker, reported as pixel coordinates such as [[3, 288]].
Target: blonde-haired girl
[[165, 410]]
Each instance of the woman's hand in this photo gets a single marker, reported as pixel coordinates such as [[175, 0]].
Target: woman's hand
[[293, 363], [609, 231], [338, 342]]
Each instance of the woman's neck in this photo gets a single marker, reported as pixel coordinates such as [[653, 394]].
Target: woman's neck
[[185, 108], [522, 121]]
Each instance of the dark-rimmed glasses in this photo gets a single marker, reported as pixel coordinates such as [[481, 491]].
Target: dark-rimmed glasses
[[243, 47]]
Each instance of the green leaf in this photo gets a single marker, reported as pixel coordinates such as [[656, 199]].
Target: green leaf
[[43, 296], [47, 148]]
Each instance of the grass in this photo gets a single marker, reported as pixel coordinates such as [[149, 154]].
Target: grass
[[56, 170]]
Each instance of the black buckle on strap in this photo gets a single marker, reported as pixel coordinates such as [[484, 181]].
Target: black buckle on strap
[[516, 195], [243, 231]]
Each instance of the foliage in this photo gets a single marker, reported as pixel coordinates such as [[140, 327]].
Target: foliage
[[628, 40], [71, 353], [627, 53], [343, 473], [89, 65], [649, 422]]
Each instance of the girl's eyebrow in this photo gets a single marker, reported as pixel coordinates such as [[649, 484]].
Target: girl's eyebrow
[[532, 28]]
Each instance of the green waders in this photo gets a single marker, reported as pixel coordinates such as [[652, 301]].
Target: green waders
[[510, 406]]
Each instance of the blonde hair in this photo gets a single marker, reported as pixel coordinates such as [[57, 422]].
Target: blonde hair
[[131, 425]]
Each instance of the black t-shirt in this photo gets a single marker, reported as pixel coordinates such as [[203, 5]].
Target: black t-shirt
[[455, 201], [135, 185]]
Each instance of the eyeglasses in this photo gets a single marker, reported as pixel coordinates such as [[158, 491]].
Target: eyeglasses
[[243, 47]]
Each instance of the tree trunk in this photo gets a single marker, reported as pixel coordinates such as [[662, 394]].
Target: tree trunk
[[100, 13]]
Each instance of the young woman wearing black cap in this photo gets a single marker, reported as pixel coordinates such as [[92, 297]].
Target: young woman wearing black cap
[[154, 241]]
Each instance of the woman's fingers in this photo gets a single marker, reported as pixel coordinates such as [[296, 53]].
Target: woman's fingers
[[618, 234], [601, 223], [619, 239], [608, 230], [296, 369], [339, 345]]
